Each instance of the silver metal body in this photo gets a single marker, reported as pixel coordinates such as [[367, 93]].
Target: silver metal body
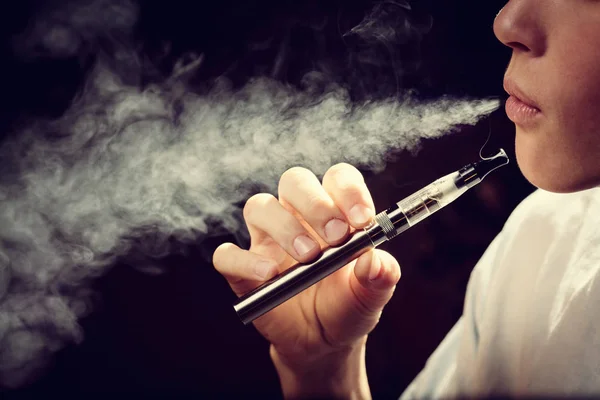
[[387, 225]]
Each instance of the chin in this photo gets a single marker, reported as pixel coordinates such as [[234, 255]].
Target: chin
[[549, 164], [556, 179], [553, 174]]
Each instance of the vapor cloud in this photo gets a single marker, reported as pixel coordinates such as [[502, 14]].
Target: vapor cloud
[[158, 162]]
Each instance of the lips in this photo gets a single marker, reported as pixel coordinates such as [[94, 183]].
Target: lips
[[520, 108], [512, 89]]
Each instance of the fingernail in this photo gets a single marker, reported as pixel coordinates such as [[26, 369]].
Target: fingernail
[[360, 214], [376, 269], [335, 229], [263, 268], [303, 245]]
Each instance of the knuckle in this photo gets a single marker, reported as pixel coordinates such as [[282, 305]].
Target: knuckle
[[316, 206], [349, 191], [292, 176], [343, 176], [347, 187], [219, 255], [256, 202], [342, 169], [335, 170], [367, 311]]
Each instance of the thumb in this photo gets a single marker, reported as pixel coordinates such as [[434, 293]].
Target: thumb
[[376, 274], [350, 307]]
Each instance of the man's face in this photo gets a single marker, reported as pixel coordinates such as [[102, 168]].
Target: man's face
[[555, 66]]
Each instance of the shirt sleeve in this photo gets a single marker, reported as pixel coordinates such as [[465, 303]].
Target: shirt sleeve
[[447, 371]]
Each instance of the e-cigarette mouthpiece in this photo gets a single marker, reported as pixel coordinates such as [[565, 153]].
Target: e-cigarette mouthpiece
[[387, 225]]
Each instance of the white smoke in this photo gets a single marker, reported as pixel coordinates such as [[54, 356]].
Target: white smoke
[[125, 162]]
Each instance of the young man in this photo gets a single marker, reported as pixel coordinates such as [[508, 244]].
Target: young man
[[529, 325]]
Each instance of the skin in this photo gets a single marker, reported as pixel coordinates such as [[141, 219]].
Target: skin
[[556, 62], [318, 337], [324, 328]]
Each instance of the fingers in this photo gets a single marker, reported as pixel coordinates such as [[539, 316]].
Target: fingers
[[324, 208], [301, 189], [314, 212], [265, 216], [242, 269], [346, 186], [328, 208]]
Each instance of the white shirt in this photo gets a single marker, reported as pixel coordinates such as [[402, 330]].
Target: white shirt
[[531, 321]]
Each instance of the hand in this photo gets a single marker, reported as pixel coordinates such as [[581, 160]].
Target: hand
[[334, 315]]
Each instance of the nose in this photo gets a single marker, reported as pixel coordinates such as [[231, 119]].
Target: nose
[[519, 25]]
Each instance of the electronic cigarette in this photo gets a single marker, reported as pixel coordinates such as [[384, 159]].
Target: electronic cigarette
[[386, 225]]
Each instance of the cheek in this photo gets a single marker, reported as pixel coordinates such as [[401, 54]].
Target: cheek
[[574, 87], [571, 71], [577, 102], [563, 153], [576, 129]]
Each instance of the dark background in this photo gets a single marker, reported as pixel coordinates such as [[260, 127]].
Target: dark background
[[176, 334]]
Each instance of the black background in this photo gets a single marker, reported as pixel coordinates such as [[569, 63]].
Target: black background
[[176, 334]]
